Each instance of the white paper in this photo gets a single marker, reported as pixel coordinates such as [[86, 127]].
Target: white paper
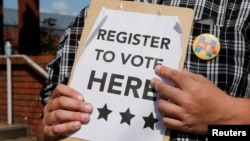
[[122, 62]]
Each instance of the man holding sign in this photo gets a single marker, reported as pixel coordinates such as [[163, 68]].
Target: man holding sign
[[205, 93], [109, 70]]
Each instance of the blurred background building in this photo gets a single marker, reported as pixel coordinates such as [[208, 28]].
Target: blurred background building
[[36, 36], [51, 27]]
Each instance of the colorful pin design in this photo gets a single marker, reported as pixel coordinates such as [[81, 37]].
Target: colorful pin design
[[206, 46]]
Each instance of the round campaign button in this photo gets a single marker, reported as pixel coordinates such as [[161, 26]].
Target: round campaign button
[[206, 46]]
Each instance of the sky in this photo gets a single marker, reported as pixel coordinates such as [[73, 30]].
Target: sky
[[67, 7]]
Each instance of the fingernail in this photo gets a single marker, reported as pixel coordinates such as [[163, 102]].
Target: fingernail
[[85, 117], [157, 68], [88, 107], [77, 125], [153, 81], [80, 97]]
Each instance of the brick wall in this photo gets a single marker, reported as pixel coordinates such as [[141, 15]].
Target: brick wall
[[26, 84]]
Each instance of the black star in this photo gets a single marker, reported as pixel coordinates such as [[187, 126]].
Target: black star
[[126, 116], [150, 121], [104, 112]]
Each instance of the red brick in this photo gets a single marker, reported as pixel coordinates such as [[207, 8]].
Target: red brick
[[25, 78], [19, 73], [3, 79], [3, 109], [3, 118], [27, 91], [20, 102], [3, 102], [25, 97], [3, 90], [26, 85], [36, 104], [33, 121], [3, 84], [30, 115]]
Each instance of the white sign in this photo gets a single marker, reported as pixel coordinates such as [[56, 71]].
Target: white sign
[[114, 72]]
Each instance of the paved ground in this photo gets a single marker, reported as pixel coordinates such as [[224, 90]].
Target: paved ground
[[22, 139], [4, 128]]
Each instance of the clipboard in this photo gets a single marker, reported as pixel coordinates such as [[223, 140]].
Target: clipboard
[[185, 16]]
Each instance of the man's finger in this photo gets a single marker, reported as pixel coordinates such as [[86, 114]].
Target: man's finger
[[56, 117], [60, 129], [166, 91], [68, 104], [181, 80], [63, 90]]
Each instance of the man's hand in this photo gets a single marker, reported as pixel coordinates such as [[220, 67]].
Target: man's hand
[[193, 103], [65, 111]]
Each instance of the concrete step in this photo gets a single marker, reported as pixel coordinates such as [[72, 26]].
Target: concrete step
[[12, 131]]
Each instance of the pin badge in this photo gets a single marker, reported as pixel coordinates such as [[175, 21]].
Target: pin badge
[[206, 46]]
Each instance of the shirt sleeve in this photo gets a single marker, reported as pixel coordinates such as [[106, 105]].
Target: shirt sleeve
[[60, 67], [247, 33]]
